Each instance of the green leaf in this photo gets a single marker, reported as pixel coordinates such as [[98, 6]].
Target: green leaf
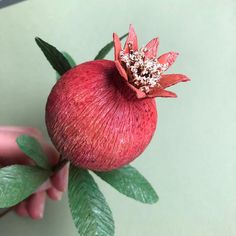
[[31, 147], [17, 182], [130, 182], [105, 50], [55, 57], [69, 59], [91, 214]]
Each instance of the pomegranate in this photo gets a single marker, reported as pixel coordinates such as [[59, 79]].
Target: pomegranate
[[101, 114]]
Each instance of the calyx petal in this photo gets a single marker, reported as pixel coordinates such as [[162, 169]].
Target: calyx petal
[[172, 79], [117, 46], [139, 93], [152, 48], [168, 58], [132, 38], [160, 92], [121, 70]]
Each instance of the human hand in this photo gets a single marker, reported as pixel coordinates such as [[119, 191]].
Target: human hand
[[10, 154]]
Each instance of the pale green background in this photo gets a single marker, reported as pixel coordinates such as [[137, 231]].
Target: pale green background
[[191, 161]]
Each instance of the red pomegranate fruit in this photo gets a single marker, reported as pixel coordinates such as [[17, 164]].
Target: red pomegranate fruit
[[101, 114]]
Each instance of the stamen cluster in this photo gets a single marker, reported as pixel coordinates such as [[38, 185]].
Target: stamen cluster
[[144, 73]]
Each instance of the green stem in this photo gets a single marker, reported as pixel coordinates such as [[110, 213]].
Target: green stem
[[62, 162]]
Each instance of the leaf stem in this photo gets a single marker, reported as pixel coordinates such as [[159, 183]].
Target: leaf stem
[[62, 162]]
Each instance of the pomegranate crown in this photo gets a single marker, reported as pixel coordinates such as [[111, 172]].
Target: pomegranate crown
[[142, 69]]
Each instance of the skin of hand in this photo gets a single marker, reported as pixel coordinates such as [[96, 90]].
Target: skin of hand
[[10, 154]]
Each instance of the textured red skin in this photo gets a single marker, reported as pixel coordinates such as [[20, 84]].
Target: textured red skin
[[95, 120]]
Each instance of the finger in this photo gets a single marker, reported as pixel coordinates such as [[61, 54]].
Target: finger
[[9, 150], [54, 194], [21, 210], [36, 205], [60, 179], [23, 130]]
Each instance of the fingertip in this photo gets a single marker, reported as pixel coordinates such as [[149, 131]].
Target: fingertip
[[36, 205], [54, 194]]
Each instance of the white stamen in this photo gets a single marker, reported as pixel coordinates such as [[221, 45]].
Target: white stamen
[[145, 72]]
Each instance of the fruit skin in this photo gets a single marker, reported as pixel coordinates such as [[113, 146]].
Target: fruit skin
[[95, 120]]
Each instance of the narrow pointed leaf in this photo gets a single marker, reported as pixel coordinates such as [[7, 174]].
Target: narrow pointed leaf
[[130, 182], [32, 148], [69, 59], [90, 212], [105, 50], [55, 57], [17, 182]]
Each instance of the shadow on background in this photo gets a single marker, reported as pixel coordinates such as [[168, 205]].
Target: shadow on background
[[5, 3]]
